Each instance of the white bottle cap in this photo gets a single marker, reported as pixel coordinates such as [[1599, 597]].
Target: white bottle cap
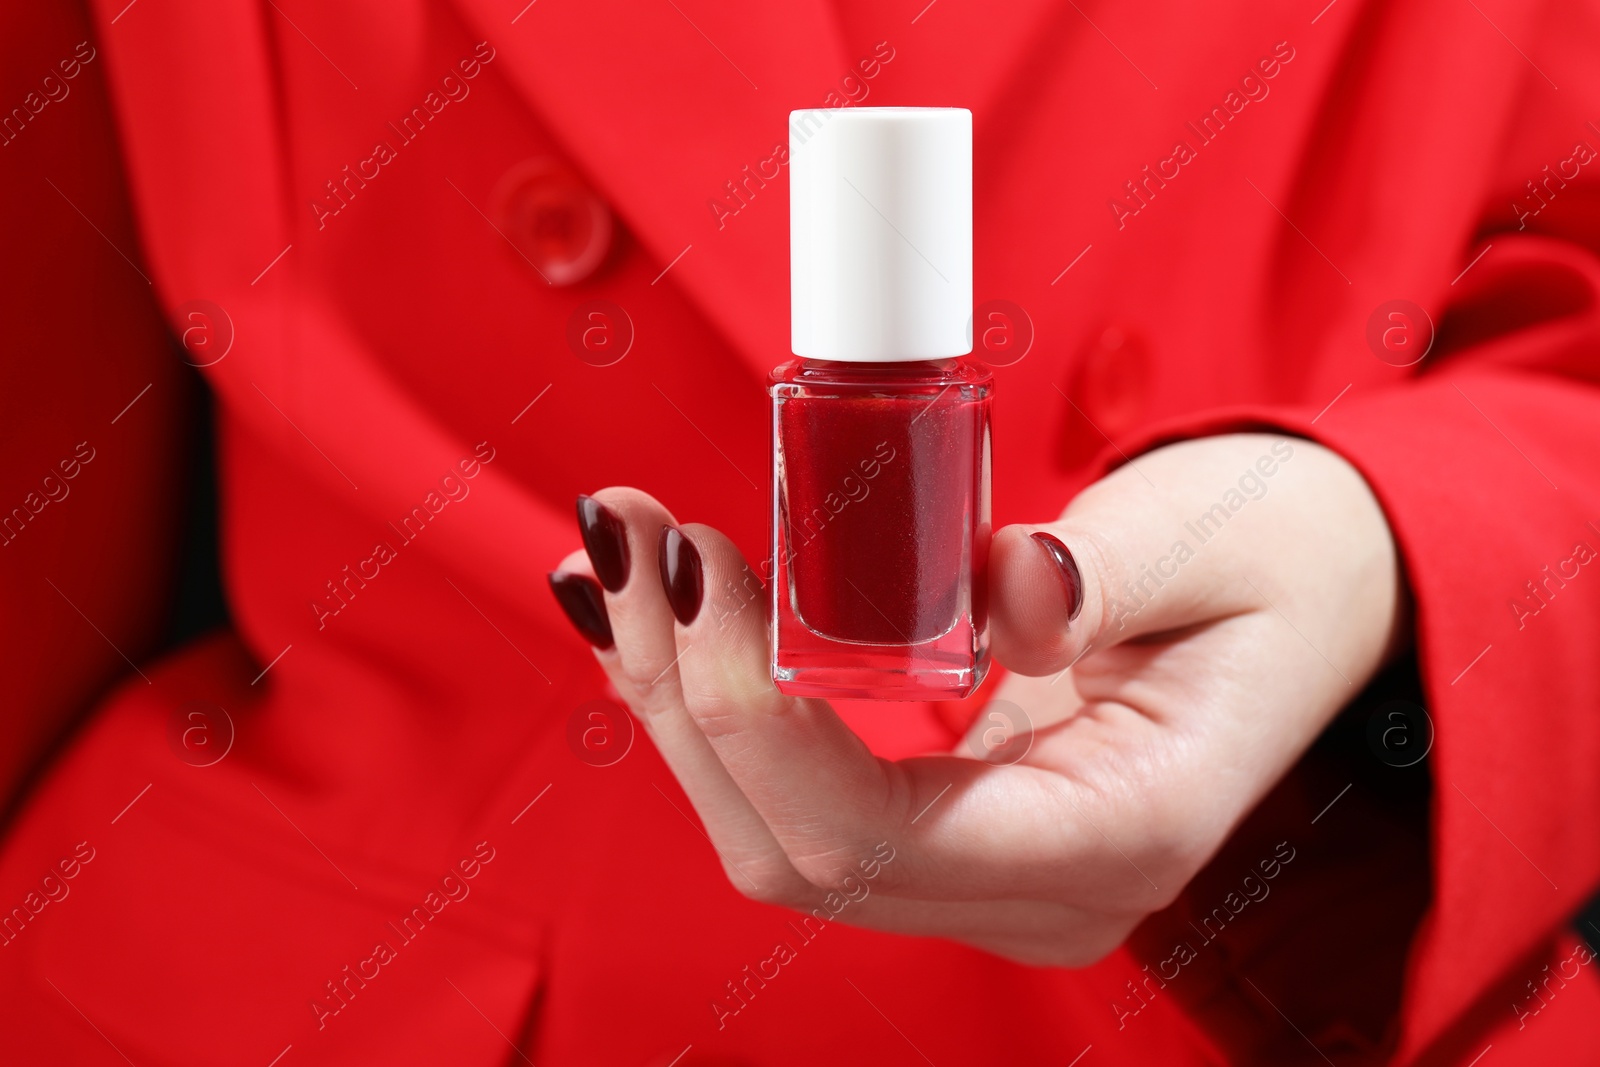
[[880, 233]]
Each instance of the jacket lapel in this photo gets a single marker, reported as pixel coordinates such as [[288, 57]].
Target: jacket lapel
[[662, 104], [714, 82]]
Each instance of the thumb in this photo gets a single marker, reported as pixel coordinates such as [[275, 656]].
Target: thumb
[[1120, 563]]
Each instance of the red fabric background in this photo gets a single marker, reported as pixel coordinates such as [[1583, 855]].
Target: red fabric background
[[374, 349]]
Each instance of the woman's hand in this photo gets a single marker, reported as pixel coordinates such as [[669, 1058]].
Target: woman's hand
[[1233, 593]]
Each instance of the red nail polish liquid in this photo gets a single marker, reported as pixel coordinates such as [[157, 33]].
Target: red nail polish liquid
[[881, 430], [881, 523]]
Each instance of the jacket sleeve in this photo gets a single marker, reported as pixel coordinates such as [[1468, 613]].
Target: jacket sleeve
[[1485, 457]]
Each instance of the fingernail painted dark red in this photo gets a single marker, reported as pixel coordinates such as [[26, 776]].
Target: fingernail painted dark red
[[680, 574], [580, 597], [1067, 567], [605, 538]]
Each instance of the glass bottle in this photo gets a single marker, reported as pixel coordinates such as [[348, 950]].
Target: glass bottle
[[881, 528], [881, 426]]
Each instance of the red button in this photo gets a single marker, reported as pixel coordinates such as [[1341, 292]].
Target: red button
[[554, 219]]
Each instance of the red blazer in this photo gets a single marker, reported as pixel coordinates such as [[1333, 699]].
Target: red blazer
[[353, 214]]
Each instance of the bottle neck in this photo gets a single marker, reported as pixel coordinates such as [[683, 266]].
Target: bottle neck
[[957, 370]]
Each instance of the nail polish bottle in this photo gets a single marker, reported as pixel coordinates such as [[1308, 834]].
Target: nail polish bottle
[[880, 426]]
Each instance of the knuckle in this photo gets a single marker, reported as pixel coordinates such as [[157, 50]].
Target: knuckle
[[844, 871], [768, 883], [725, 701], [1175, 849], [646, 676], [821, 871], [1151, 900], [717, 718]]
